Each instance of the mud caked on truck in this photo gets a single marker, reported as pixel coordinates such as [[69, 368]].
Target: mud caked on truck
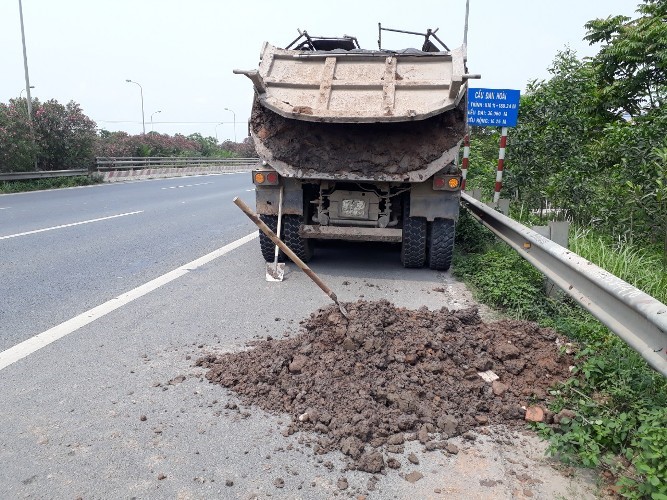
[[360, 144]]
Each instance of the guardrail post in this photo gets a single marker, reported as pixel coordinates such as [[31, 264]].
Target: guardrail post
[[559, 233]]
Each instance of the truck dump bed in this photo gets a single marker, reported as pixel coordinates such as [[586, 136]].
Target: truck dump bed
[[359, 86], [358, 114]]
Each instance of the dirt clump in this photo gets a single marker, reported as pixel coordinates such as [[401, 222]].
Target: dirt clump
[[387, 375], [361, 148]]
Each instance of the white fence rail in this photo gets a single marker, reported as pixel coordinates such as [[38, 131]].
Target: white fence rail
[[105, 164]]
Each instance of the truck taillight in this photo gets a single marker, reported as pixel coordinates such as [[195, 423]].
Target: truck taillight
[[446, 182], [272, 178], [266, 178]]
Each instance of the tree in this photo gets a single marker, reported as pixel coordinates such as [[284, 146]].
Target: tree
[[65, 136], [631, 67], [18, 149], [549, 154]]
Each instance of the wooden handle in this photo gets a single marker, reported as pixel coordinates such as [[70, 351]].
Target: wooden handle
[[265, 229]]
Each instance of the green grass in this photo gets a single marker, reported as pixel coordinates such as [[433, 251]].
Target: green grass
[[621, 404], [54, 183], [641, 267]]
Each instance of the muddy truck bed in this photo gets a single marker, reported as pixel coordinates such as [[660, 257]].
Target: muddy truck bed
[[358, 114], [373, 151]]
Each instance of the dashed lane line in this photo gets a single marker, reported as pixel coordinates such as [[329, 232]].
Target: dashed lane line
[[68, 225], [187, 185]]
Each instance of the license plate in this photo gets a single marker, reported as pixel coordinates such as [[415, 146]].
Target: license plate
[[353, 208]]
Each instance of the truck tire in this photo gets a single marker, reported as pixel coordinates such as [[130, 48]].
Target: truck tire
[[413, 249], [302, 247], [266, 245], [441, 246]]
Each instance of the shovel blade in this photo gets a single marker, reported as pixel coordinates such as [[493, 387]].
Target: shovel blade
[[275, 272]]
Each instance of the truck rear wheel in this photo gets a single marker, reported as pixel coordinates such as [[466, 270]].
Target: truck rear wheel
[[302, 247], [441, 246], [413, 249], [267, 246]]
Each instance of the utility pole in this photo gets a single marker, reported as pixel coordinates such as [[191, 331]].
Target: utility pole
[[232, 111], [143, 119], [25, 67]]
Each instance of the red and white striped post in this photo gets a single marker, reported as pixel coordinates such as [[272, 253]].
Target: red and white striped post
[[501, 165], [464, 165]]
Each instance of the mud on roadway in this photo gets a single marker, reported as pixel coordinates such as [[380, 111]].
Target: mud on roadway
[[390, 378]]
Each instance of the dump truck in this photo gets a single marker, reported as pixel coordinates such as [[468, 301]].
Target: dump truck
[[360, 145]]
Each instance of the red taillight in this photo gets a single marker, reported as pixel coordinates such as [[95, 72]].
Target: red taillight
[[272, 178], [439, 182]]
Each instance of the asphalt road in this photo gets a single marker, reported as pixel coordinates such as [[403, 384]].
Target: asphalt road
[[51, 276], [94, 415]]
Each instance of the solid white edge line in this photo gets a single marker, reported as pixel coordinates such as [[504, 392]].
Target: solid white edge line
[[62, 226], [33, 344]]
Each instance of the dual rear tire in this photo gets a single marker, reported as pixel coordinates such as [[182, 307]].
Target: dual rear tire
[[427, 242]]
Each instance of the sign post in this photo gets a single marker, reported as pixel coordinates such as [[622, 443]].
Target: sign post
[[493, 108]]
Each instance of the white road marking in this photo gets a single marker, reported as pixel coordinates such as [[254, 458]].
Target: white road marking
[[5, 208], [188, 185], [33, 344], [248, 190], [69, 225]]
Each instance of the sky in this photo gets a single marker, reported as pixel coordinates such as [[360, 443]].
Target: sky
[[182, 53]]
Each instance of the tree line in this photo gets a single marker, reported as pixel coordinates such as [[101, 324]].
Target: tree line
[[61, 137]]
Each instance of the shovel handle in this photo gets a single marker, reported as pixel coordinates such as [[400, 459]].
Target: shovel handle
[[265, 229]]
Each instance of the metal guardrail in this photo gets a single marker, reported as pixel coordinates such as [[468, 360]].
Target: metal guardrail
[[109, 164], [636, 317], [105, 164], [42, 174]]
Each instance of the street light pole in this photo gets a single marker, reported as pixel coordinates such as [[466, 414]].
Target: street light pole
[[143, 120], [154, 113], [21, 97], [232, 111], [25, 66], [216, 131], [23, 90]]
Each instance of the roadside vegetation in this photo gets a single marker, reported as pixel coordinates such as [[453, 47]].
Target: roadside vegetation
[[62, 137], [54, 183], [620, 403], [590, 145]]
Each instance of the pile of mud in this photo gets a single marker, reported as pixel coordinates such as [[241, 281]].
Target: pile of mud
[[392, 374], [362, 149]]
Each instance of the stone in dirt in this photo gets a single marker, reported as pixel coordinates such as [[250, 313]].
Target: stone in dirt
[[371, 462], [177, 380], [396, 439], [392, 463], [452, 449], [498, 388], [279, 482], [412, 458], [411, 375], [342, 483], [534, 414], [414, 476]]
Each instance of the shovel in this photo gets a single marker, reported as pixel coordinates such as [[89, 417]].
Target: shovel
[[265, 229], [276, 272]]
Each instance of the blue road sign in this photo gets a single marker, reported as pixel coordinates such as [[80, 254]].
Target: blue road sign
[[493, 107]]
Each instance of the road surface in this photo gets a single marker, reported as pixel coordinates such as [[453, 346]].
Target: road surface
[[106, 304]]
